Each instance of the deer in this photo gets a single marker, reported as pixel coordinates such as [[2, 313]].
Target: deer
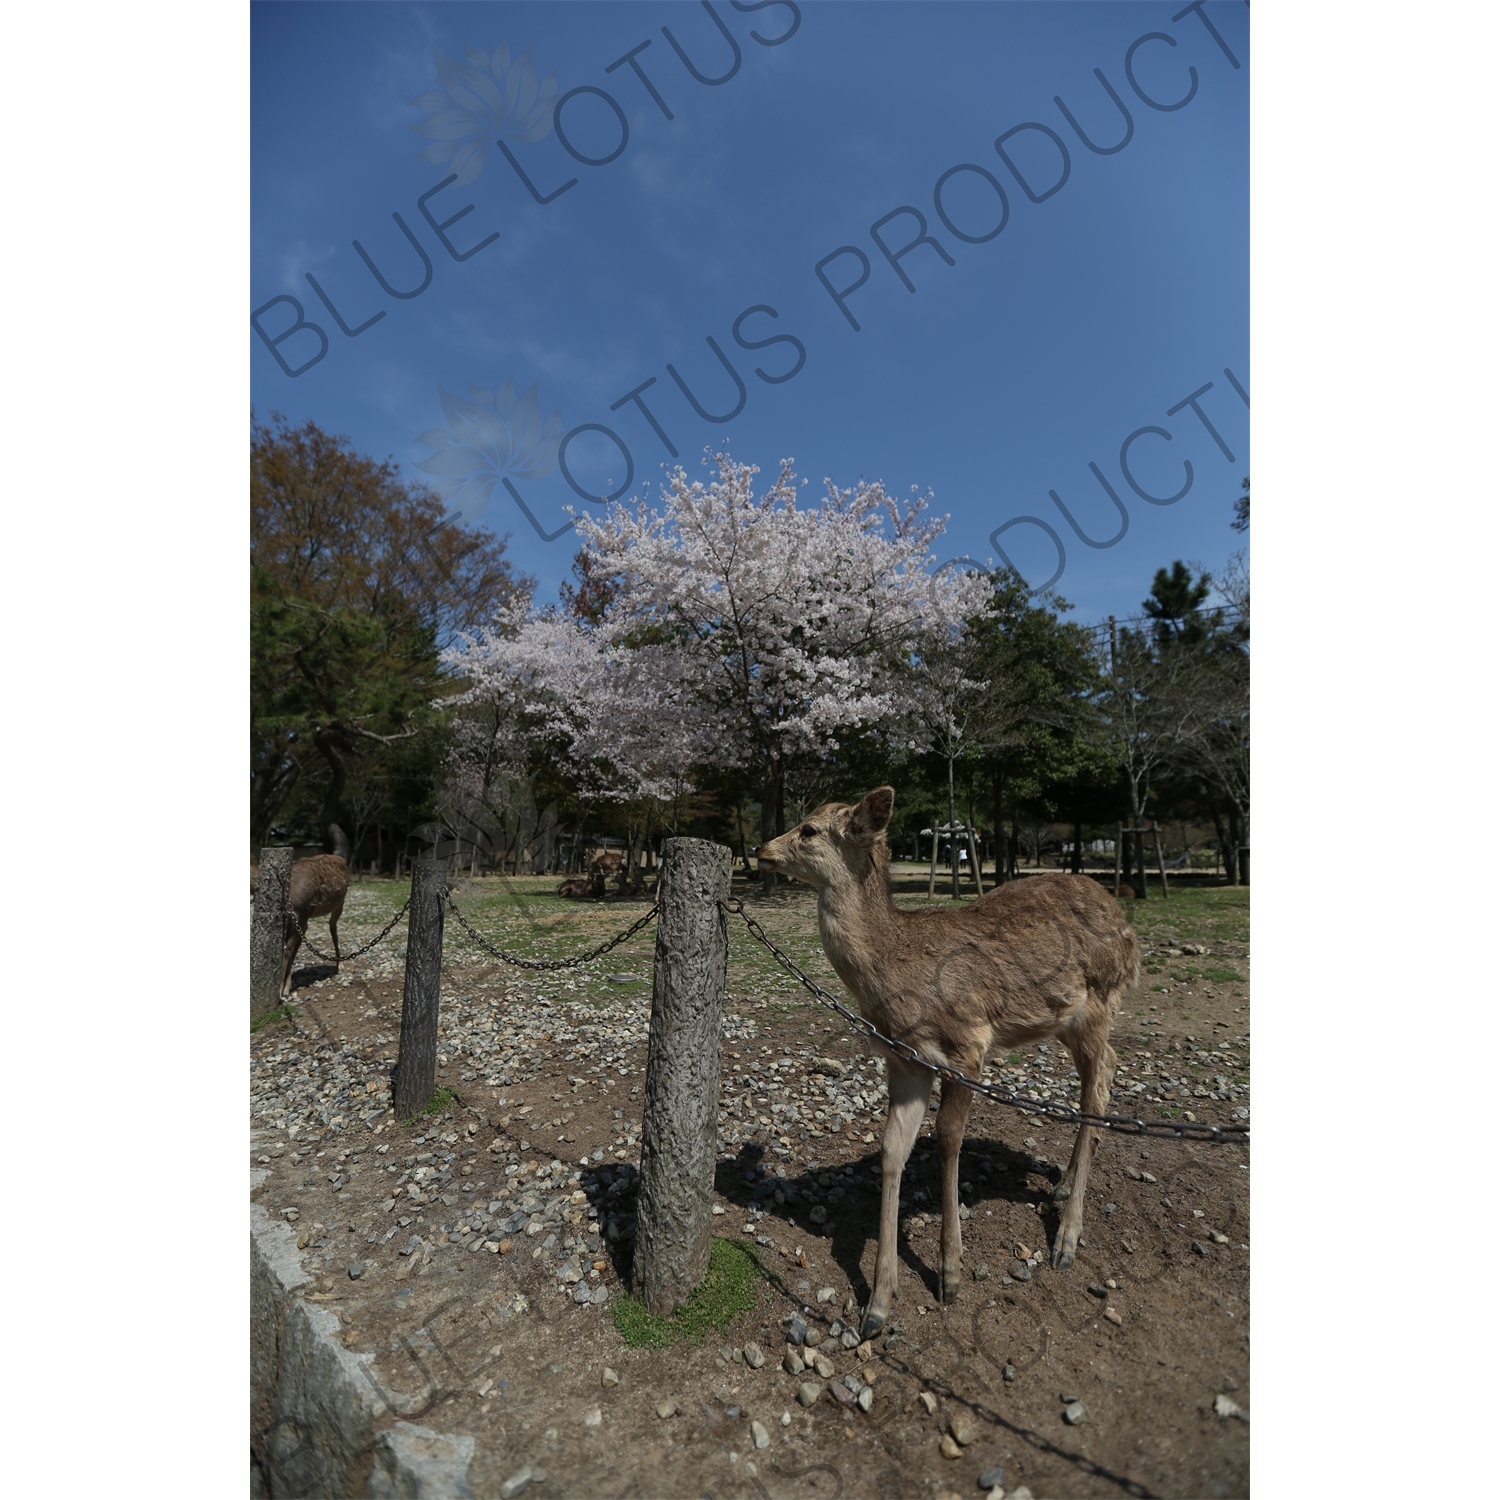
[[319, 886], [1048, 956]]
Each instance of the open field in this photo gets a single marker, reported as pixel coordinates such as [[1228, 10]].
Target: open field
[[480, 1326]]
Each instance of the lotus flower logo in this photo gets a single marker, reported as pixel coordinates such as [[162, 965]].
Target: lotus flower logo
[[488, 436], [484, 97]]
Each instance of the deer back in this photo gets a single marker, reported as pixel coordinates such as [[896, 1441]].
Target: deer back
[[319, 885]]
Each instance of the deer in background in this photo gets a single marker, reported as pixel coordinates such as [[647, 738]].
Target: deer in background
[[1033, 959], [319, 886]]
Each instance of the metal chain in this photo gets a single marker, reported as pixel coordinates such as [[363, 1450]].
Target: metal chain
[[1125, 1125], [548, 963], [329, 958]]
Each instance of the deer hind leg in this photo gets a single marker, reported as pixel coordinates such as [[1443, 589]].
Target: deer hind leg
[[910, 1088], [289, 953], [333, 930], [1096, 1061], [953, 1117]]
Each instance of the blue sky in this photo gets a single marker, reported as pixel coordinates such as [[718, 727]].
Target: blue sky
[[999, 380]]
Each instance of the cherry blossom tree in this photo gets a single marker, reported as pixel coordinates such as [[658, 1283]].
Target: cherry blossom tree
[[793, 628]]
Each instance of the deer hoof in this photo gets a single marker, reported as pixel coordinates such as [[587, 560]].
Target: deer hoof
[[874, 1324], [1062, 1257], [948, 1288]]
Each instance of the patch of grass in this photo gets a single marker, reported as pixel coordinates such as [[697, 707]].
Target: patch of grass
[[1223, 974], [727, 1289], [442, 1100], [281, 1013]]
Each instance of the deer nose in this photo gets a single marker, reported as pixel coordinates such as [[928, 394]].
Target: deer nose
[[764, 856]]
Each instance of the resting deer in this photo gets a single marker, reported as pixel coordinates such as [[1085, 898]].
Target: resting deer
[[1032, 959], [319, 886]]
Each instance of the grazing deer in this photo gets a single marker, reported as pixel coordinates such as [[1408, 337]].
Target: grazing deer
[[1032, 959], [319, 886]]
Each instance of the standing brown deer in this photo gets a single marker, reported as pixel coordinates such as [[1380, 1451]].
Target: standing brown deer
[[319, 886], [1032, 959]]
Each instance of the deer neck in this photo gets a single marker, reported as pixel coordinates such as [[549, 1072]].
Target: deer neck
[[857, 923]]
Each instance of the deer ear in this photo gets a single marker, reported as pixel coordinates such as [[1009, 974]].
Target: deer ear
[[873, 813]]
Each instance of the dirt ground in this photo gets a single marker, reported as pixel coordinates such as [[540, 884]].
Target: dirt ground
[[514, 1210]]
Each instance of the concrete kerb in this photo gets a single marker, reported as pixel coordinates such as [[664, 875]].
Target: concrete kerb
[[314, 1406]]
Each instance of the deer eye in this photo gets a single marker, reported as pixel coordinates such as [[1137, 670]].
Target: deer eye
[[809, 832]]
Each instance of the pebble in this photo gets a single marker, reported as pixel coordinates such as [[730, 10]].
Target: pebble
[[849, 1339], [1225, 1408], [981, 1272], [866, 1398], [356, 1270], [665, 1409], [1111, 1316], [792, 1363], [759, 1435], [1074, 1413], [1019, 1271], [1024, 1493], [518, 1482], [754, 1356], [1199, 1248], [928, 1400], [1217, 1238], [599, 1296], [796, 1329], [786, 1419], [991, 1477], [808, 1392], [842, 1394], [1095, 1290], [961, 1425], [593, 1417], [949, 1449], [609, 1377], [1008, 1373], [827, 1294], [822, 1364]]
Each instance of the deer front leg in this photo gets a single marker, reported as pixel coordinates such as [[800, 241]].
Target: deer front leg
[[1096, 1071], [333, 930], [953, 1117], [909, 1087]]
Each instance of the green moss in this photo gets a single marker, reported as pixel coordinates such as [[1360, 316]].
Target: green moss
[[727, 1289], [442, 1100], [1224, 975], [281, 1013]]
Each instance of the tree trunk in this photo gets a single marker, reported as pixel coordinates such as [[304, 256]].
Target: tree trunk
[[680, 1124], [1077, 846], [416, 1062], [335, 840], [952, 831]]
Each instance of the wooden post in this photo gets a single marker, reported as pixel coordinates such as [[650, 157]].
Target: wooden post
[[932, 873], [1161, 860], [1243, 870], [416, 1062], [680, 1123], [1119, 847], [273, 884], [974, 858]]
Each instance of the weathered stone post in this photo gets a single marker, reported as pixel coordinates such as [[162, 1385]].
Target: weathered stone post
[[416, 1061], [680, 1127], [268, 929]]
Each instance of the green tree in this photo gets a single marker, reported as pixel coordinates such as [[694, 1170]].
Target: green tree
[[357, 581]]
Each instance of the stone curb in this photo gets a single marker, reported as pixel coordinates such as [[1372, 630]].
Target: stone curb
[[314, 1406]]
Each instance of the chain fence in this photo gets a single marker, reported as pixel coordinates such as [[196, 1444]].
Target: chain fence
[[1122, 1124], [547, 963], [330, 958]]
